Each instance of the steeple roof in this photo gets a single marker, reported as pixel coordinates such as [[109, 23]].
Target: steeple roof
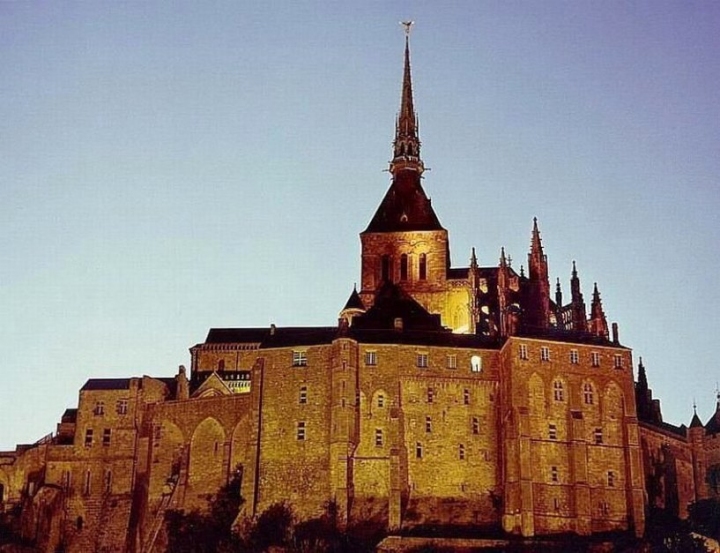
[[354, 301]]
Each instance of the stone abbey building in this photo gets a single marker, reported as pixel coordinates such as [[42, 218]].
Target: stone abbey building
[[444, 396]]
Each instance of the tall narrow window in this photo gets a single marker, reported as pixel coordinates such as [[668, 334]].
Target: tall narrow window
[[88, 437], [523, 351], [428, 424], [461, 452], [452, 361], [552, 432], [618, 361], [554, 474], [86, 484], [386, 268], [611, 479], [544, 353], [595, 358], [108, 481], [381, 400], [301, 431], [598, 436], [378, 437], [466, 397], [221, 365], [122, 407], [404, 267], [106, 436], [430, 395], [475, 425], [418, 450], [574, 356], [422, 267], [558, 392], [99, 408], [588, 394], [303, 395]]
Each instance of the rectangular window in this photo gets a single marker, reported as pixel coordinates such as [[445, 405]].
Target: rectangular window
[[428, 424], [99, 408], [303, 395], [475, 425], [89, 437], [378, 437], [523, 351], [422, 360], [381, 400], [301, 431], [466, 397], [430, 395], [122, 407], [618, 361], [371, 358], [611, 479], [556, 504], [461, 452], [108, 481], [554, 474], [107, 432], [552, 432], [598, 436], [595, 359], [86, 484], [544, 353], [452, 361], [299, 359], [418, 450], [574, 356]]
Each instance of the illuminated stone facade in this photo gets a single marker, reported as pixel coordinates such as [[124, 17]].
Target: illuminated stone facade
[[443, 397]]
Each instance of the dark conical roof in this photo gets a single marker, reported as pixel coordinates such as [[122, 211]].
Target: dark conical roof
[[695, 422], [405, 207], [354, 301]]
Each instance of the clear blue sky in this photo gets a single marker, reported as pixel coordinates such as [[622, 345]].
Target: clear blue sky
[[167, 167]]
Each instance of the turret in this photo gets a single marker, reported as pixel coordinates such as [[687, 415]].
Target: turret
[[577, 303], [537, 308], [598, 322]]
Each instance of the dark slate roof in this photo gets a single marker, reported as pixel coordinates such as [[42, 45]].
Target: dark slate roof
[[458, 273], [273, 338], [170, 382], [405, 207], [106, 384], [680, 431], [713, 425], [391, 303], [70, 415], [354, 301], [695, 422], [424, 338]]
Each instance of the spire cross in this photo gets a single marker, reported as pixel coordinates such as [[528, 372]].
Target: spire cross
[[407, 25]]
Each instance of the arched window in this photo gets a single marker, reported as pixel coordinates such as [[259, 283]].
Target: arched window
[[404, 267], [558, 391], [386, 268], [221, 365], [422, 269], [588, 396]]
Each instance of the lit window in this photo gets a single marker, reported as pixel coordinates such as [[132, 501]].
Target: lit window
[[595, 358], [618, 361], [544, 353], [554, 474], [381, 400], [461, 452], [371, 358], [122, 407], [422, 360], [106, 436], [558, 391], [301, 430], [430, 395], [588, 394], [523, 351], [476, 363], [404, 267], [452, 361], [418, 450], [303, 394], [466, 396], [422, 272], [299, 359], [611, 479], [88, 437], [475, 425], [574, 356], [552, 432], [378, 437], [598, 436], [428, 424], [99, 408]]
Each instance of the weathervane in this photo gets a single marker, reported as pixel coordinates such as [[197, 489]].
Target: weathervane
[[407, 25]]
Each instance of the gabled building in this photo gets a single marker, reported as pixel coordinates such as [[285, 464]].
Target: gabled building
[[443, 397]]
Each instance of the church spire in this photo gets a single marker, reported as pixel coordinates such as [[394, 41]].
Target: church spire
[[406, 147], [598, 322]]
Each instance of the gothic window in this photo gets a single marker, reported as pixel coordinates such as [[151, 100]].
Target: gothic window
[[558, 391], [552, 432], [378, 437], [452, 361], [544, 353], [107, 432], [461, 452], [466, 397], [418, 450], [588, 395], [428, 424], [88, 437], [595, 359], [299, 358], [386, 268], [422, 360], [301, 431], [303, 395], [371, 358], [122, 407], [523, 351], [404, 267], [574, 356], [99, 408], [422, 268]]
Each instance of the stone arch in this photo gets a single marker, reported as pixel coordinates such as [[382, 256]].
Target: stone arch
[[536, 404], [207, 471], [240, 443], [167, 443]]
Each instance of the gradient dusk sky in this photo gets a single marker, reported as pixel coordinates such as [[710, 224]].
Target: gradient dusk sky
[[167, 167]]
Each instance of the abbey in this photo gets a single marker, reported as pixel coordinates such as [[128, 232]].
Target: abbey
[[444, 396]]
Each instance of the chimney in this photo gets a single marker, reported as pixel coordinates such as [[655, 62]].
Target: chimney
[[615, 334]]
